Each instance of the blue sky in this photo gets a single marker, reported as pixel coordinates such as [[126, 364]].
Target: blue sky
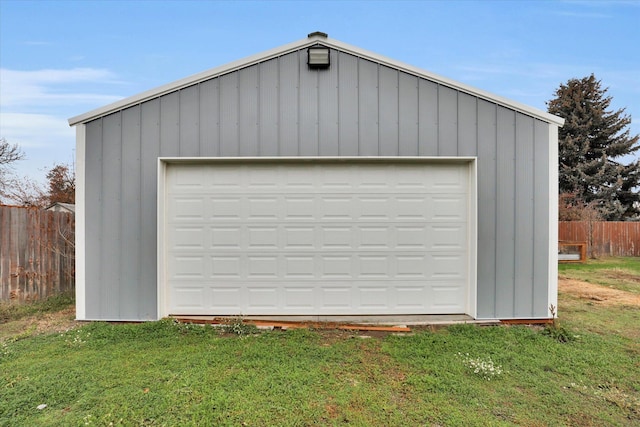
[[59, 59]]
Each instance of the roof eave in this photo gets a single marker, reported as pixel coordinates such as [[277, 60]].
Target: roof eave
[[283, 50]]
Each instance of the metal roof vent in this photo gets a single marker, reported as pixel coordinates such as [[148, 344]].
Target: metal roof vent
[[318, 33], [318, 57]]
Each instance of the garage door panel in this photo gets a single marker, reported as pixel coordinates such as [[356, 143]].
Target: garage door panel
[[227, 237], [262, 267], [375, 298], [447, 237], [189, 298], [374, 208], [188, 237], [225, 299], [336, 266], [336, 237], [226, 266], [374, 266], [187, 209], [300, 298], [298, 208], [336, 208], [299, 266], [262, 237], [263, 208], [188, 267], [225, 208], [447, 297], [445, 266], [262, 297], [375, 237], [317, 238], [448, 208], [337, 298], [299, 237]]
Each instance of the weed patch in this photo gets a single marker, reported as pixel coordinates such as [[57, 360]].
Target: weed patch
[[10, 311]]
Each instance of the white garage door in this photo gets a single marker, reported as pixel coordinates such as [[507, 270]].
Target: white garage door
[[309, 238]]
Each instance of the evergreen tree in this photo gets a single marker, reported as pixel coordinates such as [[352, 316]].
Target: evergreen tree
[[591, 142]]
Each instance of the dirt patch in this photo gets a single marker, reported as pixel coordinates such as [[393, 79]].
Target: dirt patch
[[600, 295], [47, 323], [622, 275]]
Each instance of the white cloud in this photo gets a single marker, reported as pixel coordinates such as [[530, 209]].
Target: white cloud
[[35, 106], [48, 87], [34, 130]]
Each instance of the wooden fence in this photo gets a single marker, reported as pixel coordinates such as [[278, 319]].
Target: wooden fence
[[605, 239], [37, 253]]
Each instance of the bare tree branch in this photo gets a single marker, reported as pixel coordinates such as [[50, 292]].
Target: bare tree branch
[[9, 153]]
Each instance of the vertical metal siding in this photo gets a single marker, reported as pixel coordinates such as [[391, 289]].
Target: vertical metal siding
[[447, 121], [288, 105], [427, 118], [407, 115], [93, 225], [188, 126], [268, 108], [388, 111], [113, 250], [308, 141], [487, 204], [146, 294], [229, 115], [368, 108], [280, 107], [328, 110], [248, 112], [523, 289], [540, 218], [130, 211], [209, 118], [170, 124], [348, 104], [467, 125], [505, 214]]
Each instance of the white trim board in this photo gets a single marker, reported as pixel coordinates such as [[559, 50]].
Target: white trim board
[[164, 162], [302, 44], [80, 218], [553, 219]]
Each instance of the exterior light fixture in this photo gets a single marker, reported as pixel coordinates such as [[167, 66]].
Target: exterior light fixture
[[318, 57]]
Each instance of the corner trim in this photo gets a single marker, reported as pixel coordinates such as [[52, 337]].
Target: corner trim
[[553, 218], [80, 217]]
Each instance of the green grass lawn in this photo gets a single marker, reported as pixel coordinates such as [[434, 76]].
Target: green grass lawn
[[163, 373]]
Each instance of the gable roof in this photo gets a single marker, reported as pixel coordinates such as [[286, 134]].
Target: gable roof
[[312, 39], [68, 207]]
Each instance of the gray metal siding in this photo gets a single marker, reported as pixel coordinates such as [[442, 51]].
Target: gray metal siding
[[408, 115], [505, 213], [112, 248], [145, 294], [487, 206], [540, 218], [93, 224], [328, 111], [281, 108], [130, 213], [523, 289], [427, 118]]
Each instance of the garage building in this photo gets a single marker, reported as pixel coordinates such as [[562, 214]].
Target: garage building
[[316, 179]]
